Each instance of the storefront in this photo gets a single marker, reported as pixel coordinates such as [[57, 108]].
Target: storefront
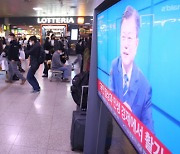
[[72, 27]]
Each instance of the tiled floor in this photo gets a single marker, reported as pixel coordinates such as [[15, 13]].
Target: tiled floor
[[35, 123]]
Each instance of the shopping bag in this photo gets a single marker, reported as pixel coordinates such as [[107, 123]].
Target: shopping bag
[[21, 55], [4, 65]]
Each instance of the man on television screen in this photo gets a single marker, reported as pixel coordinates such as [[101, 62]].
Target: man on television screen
[[126, 80]]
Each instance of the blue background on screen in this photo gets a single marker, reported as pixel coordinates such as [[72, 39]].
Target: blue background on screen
[[158, 56]]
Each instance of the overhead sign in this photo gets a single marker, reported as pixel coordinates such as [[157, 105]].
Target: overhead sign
[[63, 20]]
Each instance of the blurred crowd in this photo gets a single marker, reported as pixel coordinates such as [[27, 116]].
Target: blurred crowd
[[13, 51]]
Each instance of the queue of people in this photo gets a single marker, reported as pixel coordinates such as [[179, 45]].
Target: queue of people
[[56, 51]]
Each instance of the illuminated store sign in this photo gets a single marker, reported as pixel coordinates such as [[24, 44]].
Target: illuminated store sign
[[55, 20]]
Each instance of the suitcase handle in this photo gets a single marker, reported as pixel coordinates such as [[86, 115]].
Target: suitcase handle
[[85, 86]]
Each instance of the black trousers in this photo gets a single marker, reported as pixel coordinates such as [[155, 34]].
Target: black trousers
[[46, 68], [31, 78]]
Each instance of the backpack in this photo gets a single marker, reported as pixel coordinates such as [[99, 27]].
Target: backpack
[[42, 55], [78, 81]]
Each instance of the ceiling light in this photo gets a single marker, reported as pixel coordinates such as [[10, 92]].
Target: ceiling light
[[37, 9]]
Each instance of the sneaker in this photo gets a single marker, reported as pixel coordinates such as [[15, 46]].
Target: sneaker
[[15, 78], [45, 76], [23, 81], [22, 70], [65, 80], [35, 91], [8, 81]]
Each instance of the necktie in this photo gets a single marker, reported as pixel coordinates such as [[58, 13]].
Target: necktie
[[125, 88]]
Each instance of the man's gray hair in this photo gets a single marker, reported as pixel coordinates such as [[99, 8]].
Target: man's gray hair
[[129, 12]]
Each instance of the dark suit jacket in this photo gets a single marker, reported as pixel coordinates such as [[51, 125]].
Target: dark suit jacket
[[13, 51], [138, 95], [34, 53], [57, 45]]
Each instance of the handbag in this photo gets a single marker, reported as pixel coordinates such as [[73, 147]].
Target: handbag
[[21, 55]]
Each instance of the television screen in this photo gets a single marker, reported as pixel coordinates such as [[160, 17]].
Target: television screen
[[138, 70]]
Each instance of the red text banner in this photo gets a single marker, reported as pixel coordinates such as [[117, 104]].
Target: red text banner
[[146, 139]]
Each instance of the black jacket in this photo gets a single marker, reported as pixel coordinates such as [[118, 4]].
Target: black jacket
[[34, 53], [79, 49], [47, 46], [13, 51], [57, 45]]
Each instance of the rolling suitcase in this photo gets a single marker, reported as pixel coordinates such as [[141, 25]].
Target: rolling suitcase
[[78, 130], [78, 127]]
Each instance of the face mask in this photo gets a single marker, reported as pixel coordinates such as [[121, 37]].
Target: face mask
[[52, 42], [4, 45], [61, 53], [9, 39], [30, 43], [21, 42], [26, 42]]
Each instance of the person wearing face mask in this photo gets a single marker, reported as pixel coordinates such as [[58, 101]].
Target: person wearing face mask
[[13, 58], [65, 43], [55, 44], [33, 52], [58, 65], [47, 48], [21, 56], [79, 52]]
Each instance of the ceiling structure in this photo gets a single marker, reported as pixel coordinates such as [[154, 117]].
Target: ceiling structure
[[38, 8]]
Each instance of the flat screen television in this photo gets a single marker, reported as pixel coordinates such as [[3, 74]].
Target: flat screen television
[[138, 71]]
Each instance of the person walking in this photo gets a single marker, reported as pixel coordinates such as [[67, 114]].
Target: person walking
[[79, 52], [66, 47], [34, 53], [13, 59], [47, 48]]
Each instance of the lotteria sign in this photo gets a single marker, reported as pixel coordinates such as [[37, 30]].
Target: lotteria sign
[[64, 20]]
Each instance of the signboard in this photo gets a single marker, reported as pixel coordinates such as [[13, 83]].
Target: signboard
[[140, 136], [46, 20], [63, 20]]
